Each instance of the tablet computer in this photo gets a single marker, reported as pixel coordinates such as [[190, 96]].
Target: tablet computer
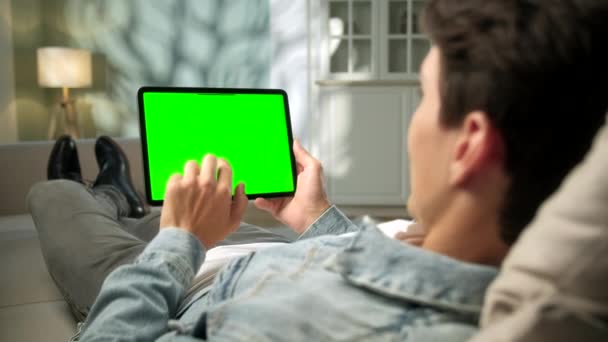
[[250, 128]]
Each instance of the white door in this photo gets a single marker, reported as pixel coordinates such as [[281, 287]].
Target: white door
[[361, 139]]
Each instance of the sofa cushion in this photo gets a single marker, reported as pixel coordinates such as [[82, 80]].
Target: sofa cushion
[[31, 306], [17, 179], [45, 321]]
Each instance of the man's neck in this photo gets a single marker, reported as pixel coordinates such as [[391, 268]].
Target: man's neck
[[467, 232]]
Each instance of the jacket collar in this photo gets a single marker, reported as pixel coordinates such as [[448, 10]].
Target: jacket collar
[[409, 273]]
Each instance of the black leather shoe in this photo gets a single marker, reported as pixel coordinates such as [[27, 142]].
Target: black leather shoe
[[114, 171], [63, 161]]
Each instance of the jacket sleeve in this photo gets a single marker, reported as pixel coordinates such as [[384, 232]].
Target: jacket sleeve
[[137, 300], [331, 222]]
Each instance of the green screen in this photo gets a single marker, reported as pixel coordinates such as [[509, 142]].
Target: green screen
[[248, 130]]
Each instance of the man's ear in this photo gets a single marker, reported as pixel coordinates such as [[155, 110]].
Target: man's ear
[[478, 145]]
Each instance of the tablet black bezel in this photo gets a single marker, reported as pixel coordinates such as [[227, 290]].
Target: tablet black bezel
[[144, 137]]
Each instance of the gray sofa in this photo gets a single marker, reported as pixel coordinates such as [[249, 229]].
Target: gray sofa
[[31, 307]]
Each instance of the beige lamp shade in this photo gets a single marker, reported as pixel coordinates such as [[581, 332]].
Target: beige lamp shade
[[60, 67]]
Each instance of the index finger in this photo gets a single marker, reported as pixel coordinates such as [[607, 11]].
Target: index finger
[[208, 169], [191, 170]]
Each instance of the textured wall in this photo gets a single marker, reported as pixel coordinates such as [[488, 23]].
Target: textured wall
[[291, 66], [169, 43], [8, 120], [218, 43]]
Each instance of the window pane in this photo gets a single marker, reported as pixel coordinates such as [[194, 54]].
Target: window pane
[[417, 9], [339, 55], [397, 55], [397, 17], [362, 55], [338, 18], [362, 13], [420, 48]]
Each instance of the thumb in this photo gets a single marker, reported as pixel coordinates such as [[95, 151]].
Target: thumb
[[239, 204], [264, 204], [302, 156]]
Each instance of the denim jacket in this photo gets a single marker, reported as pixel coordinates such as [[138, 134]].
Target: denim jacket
[[337, 282]]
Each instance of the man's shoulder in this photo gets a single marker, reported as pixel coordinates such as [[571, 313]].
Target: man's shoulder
[[331, 222], [366, 283], [397, 270]]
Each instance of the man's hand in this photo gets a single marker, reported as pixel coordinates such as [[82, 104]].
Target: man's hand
[[202, 205], [309, 201], [414, 235], [415, 240]]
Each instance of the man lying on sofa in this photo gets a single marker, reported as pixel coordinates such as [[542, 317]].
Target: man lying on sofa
[[513, 93]]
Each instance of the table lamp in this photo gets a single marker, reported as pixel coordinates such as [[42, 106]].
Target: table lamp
[[60, 67]]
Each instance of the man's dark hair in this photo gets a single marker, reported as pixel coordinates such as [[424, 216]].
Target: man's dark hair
[[538, 69]]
